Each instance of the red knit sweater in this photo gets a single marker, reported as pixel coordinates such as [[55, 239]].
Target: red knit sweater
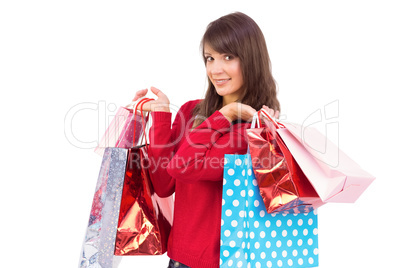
[[190, 163]]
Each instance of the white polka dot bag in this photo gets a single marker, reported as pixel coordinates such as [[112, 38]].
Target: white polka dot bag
[[250, 237]]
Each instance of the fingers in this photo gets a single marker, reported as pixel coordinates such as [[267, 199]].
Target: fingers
[[277, 113], [162, 98], [252, 111], [140, 93], [245, 112], [271, 112], [160, 104], [156, 91], [147, 106], [143, 92]]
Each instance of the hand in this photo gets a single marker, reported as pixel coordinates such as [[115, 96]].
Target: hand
[[236, 110], [271, 112], [160, 104]]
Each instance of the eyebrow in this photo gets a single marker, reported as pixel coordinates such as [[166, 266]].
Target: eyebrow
[[206, 53]]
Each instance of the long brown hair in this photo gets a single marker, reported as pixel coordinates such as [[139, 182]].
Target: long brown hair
[[237, 34]]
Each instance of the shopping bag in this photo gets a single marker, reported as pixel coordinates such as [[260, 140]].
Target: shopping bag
[[145, 219], [99, 242], [251, 237], [333, 174], [120, 132], [282, 184], [99, 245]]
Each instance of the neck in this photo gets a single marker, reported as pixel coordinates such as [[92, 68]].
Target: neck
[[227, 100]]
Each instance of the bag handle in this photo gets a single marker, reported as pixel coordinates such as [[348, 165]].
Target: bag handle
[[258, 120], [255, 121], [141, 104], [133, 105]]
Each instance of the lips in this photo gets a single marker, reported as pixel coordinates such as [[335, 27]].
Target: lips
[[221, 82]]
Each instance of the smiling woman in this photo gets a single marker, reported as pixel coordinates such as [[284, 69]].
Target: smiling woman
[[239, 83]]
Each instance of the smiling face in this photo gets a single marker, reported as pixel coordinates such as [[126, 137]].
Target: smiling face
[[224, 71]]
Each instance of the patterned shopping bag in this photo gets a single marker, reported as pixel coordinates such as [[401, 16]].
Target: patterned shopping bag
[[250, 237], [99, 244]]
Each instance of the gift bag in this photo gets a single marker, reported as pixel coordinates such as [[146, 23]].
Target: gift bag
[[120, 132], [333, 174], [145, 219], [251, 237], [99, 242], [282, 184], [124, 199]]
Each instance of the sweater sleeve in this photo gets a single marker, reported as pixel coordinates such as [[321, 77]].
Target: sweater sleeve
[[164, 139], [201, 155], [159, 156]]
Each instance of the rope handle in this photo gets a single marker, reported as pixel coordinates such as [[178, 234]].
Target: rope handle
[[141, 104], [257, 118], [130, 106], [134, 105]]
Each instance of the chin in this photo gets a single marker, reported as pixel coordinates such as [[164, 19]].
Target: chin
[[224, 92]]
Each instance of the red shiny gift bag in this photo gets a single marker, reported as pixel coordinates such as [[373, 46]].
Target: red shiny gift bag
[[283, 185], [145, 219]]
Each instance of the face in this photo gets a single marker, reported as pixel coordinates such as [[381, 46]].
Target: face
[[225, 73]]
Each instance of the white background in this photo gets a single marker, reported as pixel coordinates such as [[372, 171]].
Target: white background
[[55, 55]]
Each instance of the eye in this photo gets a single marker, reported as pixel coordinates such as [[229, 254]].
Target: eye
[[209, 58], [228, 57]]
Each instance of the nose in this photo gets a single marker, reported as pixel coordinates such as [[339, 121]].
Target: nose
[[216, 67]]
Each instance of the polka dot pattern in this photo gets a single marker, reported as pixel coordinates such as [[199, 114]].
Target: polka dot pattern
[[250, 237]]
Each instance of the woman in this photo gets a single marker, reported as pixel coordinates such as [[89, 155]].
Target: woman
[[188, 156]]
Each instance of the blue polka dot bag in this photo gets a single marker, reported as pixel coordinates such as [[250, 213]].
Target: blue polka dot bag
[[250, 237]]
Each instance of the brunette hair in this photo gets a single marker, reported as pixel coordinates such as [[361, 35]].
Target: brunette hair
[[239, 35]]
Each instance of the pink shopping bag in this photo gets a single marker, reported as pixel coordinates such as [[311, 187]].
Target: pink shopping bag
[[333, 174], [120, 131]]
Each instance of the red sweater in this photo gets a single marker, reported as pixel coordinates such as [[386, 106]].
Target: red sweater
[[190, 163]]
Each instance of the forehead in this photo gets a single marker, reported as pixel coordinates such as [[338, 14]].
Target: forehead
[[209, 50]]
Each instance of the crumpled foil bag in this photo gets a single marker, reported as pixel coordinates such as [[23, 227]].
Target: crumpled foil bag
[[145, 219], [99, 244], [283, 185]]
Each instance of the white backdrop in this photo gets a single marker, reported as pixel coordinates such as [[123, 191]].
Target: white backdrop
[[66, 65]]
